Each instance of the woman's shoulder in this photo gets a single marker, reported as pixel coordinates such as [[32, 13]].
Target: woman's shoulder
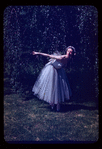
[[64, 57]]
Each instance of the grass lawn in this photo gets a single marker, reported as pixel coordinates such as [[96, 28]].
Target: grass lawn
[[33, 120]]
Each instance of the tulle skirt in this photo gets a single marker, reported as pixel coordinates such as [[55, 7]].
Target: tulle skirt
[[52, 85]]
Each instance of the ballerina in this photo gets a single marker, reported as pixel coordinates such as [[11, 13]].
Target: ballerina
[[52, 84]]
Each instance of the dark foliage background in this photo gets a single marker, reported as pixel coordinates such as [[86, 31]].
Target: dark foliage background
[[47, 29]]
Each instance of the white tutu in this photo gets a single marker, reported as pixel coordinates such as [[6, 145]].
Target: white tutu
[[52, 84]]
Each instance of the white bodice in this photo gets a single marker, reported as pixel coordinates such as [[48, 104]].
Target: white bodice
[[57, 64]]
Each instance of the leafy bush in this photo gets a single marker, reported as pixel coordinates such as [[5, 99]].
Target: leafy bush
[[46, 29]]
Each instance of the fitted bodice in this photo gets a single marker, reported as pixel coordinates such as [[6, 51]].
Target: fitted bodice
[[57, 64]]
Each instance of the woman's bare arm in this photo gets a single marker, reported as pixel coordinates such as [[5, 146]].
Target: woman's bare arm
[[59, 57], [48, 55], [39, 53]]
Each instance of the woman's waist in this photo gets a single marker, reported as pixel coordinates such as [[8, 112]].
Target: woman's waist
[[57, 64]]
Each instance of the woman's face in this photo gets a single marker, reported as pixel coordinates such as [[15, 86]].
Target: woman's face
[[69, 51]]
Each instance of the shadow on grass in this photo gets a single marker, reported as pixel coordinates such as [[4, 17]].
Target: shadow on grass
[[73, 107], [67, 106], [30, 97]]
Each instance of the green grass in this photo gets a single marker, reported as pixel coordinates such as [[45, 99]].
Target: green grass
[[33, 120]]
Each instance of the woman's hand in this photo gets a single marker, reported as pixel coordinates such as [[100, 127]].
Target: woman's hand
[[43, 54], [35, 53]]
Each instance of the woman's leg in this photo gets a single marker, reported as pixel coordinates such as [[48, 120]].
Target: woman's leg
[[52, 105], [58, 107]]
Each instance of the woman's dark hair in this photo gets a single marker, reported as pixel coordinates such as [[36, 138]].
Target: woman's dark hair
[[71, 47]]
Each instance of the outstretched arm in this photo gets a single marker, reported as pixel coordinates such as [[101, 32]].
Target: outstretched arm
[[39, 53], [48, 55]]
